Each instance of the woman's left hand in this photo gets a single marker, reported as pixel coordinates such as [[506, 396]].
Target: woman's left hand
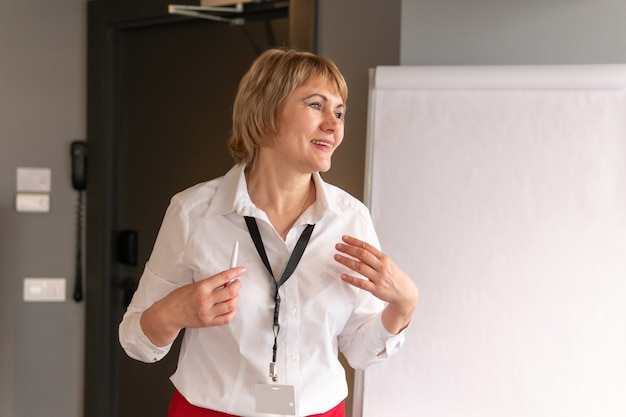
[[384, 279]]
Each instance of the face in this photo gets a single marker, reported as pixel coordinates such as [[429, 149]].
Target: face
[[310, 127]]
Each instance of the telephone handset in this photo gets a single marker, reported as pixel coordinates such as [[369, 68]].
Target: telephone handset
[[78, 152], [79, 164]]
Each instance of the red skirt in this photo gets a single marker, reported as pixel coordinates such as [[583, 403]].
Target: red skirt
[[180, 407]]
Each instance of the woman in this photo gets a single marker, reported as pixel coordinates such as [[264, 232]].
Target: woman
[[258, 339]]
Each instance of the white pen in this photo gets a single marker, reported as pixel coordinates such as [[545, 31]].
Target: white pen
[[233, 257], [233, 260]]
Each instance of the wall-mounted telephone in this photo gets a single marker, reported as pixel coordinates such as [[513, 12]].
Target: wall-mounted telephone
[[78, 152], [79, 164]]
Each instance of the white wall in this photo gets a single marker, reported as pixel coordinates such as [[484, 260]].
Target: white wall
[[42, 109]]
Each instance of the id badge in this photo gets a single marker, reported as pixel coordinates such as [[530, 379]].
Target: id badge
[[275, 399]]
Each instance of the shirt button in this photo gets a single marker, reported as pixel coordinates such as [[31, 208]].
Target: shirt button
[[293, 358], [293, 310], [378, 335]]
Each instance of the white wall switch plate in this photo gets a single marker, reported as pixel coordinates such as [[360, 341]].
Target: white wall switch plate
[[32, 202], [44, 289], [34, 179]]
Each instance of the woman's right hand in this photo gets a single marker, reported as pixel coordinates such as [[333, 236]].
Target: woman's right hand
[[206, 303]]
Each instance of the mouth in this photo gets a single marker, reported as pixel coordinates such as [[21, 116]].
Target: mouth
[[322, 143]]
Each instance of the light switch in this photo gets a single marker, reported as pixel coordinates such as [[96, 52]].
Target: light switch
[[37, 180], [44, 289], [32, 202]]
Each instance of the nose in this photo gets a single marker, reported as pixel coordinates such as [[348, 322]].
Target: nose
[[331, 122]]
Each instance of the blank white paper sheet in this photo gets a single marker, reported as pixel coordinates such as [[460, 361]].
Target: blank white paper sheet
[[502, 191]]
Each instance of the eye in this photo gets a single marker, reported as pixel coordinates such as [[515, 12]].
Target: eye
[[339, 115], [316, 105]]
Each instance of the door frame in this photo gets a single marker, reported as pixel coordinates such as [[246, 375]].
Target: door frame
[[106, 22]]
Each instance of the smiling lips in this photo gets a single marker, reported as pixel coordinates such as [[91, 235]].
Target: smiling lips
[[322, 143]]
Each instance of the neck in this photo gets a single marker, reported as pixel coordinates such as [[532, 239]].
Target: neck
[[283, 198]]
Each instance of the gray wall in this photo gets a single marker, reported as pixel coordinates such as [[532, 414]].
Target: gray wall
[[492, 32], [42, 108], [357, 35]]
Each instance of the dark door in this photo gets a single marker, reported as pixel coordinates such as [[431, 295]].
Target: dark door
[[160, 96], [176, 86]]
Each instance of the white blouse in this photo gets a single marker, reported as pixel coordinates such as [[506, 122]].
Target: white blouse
[[320, 315]]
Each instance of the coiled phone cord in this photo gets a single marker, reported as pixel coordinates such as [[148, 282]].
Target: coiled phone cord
[[78, 283]]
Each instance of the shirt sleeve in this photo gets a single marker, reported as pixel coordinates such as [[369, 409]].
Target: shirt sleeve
[[365, 341], [370, 343], [136, 344], [163, 273], [385, 343]]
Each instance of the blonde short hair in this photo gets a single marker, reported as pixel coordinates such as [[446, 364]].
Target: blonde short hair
[[272, 77]]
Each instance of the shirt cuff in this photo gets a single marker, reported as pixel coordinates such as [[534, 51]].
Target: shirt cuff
[[136, 343], [386, 343]]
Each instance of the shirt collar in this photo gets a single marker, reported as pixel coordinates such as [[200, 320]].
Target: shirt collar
[[232, 195]]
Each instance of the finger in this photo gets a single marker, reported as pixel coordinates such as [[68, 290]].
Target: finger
[[225, 318], [215, 311], [225, 277], [207, 295], [226, 292], [353, 241], [362, 254], [226, 306], [231, 288], [356, 265], [218, 318], [360, 283]]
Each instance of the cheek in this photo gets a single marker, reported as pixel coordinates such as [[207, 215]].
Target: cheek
[[339, 138]]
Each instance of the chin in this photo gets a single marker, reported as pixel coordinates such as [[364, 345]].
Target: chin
[[325, 168]]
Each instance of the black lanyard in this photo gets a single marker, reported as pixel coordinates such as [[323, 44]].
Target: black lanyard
[[294, 259]]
